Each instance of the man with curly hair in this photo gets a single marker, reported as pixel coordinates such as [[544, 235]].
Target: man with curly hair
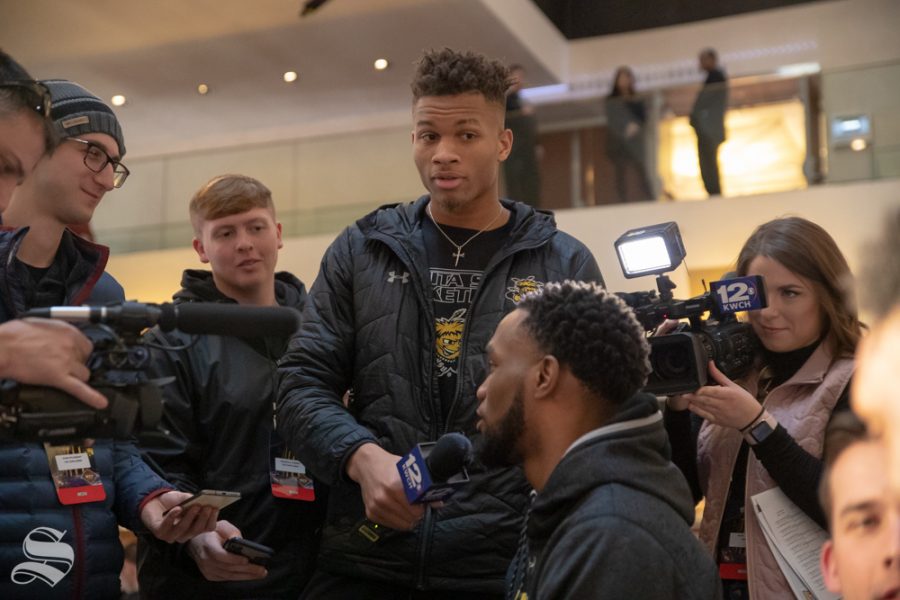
[[561, 399], [404, 304]]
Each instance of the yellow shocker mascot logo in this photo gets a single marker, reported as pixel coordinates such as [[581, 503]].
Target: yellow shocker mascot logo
[[521, 287], [448, 340]]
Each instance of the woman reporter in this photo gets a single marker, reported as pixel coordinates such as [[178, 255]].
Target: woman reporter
[[808, 335]]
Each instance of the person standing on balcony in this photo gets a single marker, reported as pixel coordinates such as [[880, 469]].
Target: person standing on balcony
[[521, 170], [626, 116], [708, 119]]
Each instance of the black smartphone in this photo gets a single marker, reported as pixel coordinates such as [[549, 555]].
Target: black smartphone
[[257, 553], [217, 498]]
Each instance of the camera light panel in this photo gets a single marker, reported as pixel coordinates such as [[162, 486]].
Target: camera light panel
[[650, 250], [644, 256]]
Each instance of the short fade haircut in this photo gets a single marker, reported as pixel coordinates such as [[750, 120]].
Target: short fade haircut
[[594, 334], [227, 195], [448, 73], [844, 430]]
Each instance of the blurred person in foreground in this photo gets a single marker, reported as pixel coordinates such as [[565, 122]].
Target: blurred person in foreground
[[861, 560], [875, 397]]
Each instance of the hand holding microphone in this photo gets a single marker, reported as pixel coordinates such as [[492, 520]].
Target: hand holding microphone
[[432, 472], [375, 470], [394, 489]]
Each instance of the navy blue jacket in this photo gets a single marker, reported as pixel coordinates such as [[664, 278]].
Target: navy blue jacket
[[40, 538], [369, 326]]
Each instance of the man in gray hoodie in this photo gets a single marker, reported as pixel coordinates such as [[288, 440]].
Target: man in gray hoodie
[[612, 514]]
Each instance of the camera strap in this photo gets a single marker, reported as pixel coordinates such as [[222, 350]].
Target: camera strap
[[74, 473]]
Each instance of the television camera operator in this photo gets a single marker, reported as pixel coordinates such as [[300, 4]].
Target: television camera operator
[[779, 411], [34, 350], [62, 504]]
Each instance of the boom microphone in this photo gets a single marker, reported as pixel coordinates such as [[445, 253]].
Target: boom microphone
[[431, 472], [211, 318]]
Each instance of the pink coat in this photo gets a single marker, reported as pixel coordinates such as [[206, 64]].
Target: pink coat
[[802, 405]]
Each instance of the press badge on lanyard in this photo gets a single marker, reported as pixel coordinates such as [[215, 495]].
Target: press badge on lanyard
[[75, 475], [286, 473]]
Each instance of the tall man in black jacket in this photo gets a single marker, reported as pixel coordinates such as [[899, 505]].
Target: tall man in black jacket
[[708, 119], [404, 304], [611, 508], [218, 415]]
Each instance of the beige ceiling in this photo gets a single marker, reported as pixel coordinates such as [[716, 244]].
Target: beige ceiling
[[156, 52]]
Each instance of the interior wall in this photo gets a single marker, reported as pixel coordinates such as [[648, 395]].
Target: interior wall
[[835, 34], [328, 177], [322, 173], [872, 91], [713, 232]]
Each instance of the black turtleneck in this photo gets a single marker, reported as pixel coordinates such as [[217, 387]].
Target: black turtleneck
[[784, 365]]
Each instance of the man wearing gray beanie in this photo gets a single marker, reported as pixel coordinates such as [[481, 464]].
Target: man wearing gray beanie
[[64, 189], [44, 264]]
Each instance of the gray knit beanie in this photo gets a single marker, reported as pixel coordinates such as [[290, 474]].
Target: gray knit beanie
[[76, 111]]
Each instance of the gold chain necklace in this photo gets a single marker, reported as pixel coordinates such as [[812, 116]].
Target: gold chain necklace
[[459, 253]]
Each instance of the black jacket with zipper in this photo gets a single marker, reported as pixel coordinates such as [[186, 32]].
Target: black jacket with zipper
[[369, 326], [214, 434]]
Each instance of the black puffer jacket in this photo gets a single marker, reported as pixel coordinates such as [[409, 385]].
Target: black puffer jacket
[[217, 422], [369, 326]]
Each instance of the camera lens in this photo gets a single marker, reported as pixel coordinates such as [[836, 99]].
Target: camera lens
[[671, 362]]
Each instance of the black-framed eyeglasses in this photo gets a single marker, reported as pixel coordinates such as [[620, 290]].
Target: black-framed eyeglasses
[[34, 94], [96, 159]]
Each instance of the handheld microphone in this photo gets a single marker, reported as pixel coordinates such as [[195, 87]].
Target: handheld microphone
[[211, 318], [429, 473], [432, 472]]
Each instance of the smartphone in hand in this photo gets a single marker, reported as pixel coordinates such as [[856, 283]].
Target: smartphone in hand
[[257, 553], [216, 498]]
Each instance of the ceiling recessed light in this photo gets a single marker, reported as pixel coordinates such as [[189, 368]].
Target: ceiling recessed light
[[202, 89], [858, 145], [118, 100], [290, 76], [381, 64]]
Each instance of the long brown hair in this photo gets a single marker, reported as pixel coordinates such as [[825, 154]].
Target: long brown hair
[[807, 250]]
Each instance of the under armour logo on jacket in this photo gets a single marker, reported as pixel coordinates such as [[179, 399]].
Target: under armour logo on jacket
[[48, 554], [392, 277]]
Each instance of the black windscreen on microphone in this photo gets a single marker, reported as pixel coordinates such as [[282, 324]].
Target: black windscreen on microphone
[[229, 319], [209, 318], [450, 454]]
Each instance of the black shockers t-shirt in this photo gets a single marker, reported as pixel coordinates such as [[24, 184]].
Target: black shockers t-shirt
[[453, 288]]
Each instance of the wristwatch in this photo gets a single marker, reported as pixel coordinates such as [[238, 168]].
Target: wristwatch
[[761, 430]]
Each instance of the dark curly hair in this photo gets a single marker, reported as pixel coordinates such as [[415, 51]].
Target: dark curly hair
[[448, 73], [592, 332]]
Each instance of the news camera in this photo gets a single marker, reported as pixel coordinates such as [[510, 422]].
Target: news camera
[[679, 359], [119, 363]]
